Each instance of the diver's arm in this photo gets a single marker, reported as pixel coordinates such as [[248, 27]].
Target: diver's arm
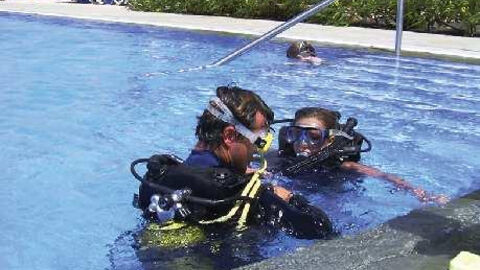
[[397, 181], [311, 59], [373, 172]]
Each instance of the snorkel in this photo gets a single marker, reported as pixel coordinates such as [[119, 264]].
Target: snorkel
[[268, 143]]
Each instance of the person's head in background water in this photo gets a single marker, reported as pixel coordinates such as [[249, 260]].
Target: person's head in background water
[[303, 51]]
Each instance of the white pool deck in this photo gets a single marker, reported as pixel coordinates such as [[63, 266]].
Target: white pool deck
[[438, 45]]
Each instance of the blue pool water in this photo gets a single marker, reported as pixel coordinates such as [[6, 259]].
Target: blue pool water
[[81, 100]]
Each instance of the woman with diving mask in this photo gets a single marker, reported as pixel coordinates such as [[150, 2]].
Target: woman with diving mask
[[315, 129]]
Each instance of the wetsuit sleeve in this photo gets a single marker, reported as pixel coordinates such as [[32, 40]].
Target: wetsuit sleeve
[[297, 217]]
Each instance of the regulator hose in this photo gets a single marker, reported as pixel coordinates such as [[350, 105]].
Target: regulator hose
[[369, 144]]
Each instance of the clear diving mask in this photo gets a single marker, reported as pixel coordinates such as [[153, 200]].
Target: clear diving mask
[[261, 139], [311, 135]]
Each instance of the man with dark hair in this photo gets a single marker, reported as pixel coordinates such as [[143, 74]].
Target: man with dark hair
[[213, 182], [222, 144]]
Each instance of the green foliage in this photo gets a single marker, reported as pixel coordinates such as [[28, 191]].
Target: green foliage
[[454, 16], [445, 16], [370, 13]]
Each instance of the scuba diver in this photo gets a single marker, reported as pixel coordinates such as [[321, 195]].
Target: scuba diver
[[303, 51], [213, 185], [316, 140]]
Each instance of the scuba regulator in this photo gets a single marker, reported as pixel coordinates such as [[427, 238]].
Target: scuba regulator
[[347, 145], [168, 205]]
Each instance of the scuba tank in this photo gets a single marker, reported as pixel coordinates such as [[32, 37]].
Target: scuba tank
[[172, 190]]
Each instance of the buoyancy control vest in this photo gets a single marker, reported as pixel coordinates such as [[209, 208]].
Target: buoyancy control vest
[[208, 187], [212, 192]]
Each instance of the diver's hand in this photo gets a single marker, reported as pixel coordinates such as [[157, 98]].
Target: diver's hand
[[440, 199], [251, 170], [283, 193], [312, 60], [424, 197], [264, 175], [420, 194], [267, 175]]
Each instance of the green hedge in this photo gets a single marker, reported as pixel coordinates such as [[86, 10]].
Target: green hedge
[[457, 17]]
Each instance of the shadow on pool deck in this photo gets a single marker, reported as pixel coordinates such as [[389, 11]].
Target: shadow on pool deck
[[424, 239]]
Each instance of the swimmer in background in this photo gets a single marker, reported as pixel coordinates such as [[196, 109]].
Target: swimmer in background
[[303, 51], [309, 134]]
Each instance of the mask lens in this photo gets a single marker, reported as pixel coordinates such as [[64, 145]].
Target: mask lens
[[314, 135], [309, 135], [293, 133]]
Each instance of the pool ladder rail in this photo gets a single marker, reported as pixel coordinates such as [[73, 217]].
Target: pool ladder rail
[[299, 18]]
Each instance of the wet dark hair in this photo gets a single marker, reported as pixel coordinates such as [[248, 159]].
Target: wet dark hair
[[242, 103], [327, 117], [298, 47]]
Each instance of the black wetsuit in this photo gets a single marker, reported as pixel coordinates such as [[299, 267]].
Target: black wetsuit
[[297, 216], [204, 174]]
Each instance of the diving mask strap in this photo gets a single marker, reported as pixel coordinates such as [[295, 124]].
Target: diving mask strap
[[218, 109]]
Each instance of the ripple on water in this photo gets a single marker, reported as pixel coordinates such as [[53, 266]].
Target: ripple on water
[[90, 97]]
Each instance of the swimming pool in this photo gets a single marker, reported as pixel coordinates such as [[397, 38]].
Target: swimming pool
[[80, 100]]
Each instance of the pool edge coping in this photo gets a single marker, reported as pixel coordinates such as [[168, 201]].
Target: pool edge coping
[[255, 27], [414, 241]]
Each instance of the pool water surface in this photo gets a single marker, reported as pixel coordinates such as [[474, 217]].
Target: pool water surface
[[80, 100]]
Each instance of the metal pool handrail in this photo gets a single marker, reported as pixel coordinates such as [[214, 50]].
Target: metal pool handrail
[[272, 33], [398, 36]]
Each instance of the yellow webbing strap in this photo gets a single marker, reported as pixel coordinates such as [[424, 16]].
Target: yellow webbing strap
[[250, 190], [172, 225], [246, 208]]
